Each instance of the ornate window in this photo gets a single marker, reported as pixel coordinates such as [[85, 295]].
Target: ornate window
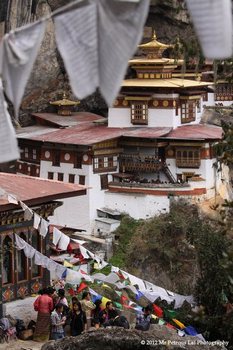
[[105, 163], [188, 111], [7, 261], [188, 158], [139, 112], [22, 262]]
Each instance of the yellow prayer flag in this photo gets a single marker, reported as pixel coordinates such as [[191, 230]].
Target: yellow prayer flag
[[106, 286], [180, 324], [96, 266], [104, 301], [67, 264]]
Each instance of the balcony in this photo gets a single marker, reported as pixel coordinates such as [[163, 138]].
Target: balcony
[[188, 163], [139, 163]]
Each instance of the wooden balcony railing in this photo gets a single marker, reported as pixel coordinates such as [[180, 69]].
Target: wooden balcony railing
[[135, 163], [188, 163]]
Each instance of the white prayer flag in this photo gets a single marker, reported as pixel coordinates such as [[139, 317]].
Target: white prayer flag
[[12, 199], [212, 20], [18, 51], [77, 40], [97, 40], [8, 143], [36, 222], [56, 235], [63, 242], [44, 225]]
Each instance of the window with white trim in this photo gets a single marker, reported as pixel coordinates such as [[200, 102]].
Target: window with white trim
[[139, 112], [188, 111]]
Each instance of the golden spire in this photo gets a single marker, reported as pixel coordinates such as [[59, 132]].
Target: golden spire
[[154, 49], [154, 36]]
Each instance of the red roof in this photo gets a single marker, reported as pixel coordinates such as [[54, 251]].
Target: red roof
[[62, 121], [35, 190], [196, 132], [88, 134]]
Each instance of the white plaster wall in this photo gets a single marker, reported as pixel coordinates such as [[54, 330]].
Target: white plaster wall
[[96, 196], [75, 211], [119, 117], [139, 206], [206, 170], [161, 117]]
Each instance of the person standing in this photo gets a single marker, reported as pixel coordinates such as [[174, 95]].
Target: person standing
[[78, 320], [44, 306], [58, 321], [88, 306]]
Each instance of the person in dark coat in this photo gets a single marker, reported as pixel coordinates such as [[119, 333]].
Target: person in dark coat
[[78, 320]]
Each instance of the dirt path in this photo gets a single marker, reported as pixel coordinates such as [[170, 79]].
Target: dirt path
[[21, 345]]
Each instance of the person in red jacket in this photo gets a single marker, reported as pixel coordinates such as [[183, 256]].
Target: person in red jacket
[[44, 306]]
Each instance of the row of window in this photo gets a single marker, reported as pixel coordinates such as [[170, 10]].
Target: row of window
[[105, 163], [71, 178], [10, 256], [30, 153], [139, 111], [188, 158]]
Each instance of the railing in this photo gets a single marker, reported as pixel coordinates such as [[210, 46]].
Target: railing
[[139, 163], [188, 163]]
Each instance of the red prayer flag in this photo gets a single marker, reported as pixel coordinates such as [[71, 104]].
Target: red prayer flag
[[124, 300], [81, 287], [168, 325], [158, 311]]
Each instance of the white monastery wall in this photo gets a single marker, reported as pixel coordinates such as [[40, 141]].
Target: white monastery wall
[[139, 206]]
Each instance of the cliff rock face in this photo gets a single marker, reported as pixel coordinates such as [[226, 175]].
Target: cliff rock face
[[49, 80]]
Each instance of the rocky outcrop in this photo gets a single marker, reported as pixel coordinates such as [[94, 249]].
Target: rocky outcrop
[[158, 337]]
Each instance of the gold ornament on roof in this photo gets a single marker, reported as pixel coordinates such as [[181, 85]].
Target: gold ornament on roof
[[65, 101], [64, 106], [154, 48]]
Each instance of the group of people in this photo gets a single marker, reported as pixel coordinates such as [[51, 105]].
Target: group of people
[[55, 313]]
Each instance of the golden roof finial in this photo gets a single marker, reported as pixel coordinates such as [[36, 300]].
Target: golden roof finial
[[154, 36]]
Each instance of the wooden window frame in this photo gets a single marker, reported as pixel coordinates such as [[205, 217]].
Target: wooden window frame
[[38, 248], [56, 158], [12, 262], [188, 157], [50, 175], [82, 180], [60, 175], [188, 111], [78, 158], [104, 182], [104, 163], [26, 259], [139, 112], [71, 178]]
